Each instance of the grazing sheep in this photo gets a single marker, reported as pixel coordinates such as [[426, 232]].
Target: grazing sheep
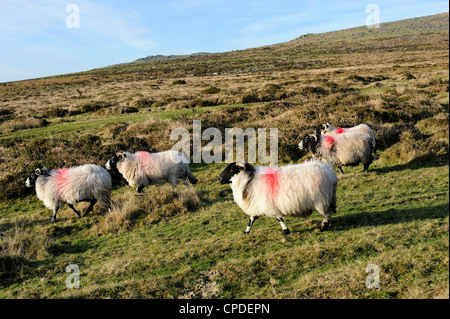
[[142, 168], [86, 183], [327, 129], [339, 150], [292, 190]]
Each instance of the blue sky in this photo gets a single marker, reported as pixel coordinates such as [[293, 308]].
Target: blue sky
[[35, 40]]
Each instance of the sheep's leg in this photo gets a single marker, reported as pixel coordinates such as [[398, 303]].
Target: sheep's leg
[[173, 184], [325, 224], [54, 215], [250, 224], [374, 150], [74, 210], [139, 189], [192, 179], [283, 226], [366, 167], [88, 210], [327, 215], [108, 202], [340, 168]]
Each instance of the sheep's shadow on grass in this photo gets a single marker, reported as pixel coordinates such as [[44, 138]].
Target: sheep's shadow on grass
[[389, 216], [67, 247], [41, 221], [14, 270], [420, 162]]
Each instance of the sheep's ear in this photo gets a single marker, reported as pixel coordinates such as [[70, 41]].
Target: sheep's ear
[[249, 167], [37, 172], [318, 132]]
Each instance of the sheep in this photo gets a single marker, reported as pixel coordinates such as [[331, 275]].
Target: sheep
[[86, 183], [339, 150], [327, 129], [292, 190], [142, 169]]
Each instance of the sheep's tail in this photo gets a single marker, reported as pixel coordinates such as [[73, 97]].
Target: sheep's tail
[[192, 179]]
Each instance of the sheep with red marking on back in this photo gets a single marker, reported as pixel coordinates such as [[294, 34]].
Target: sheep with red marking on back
[[85, 183], [339, 150], [328, 129], [142, 169], [292, 190]]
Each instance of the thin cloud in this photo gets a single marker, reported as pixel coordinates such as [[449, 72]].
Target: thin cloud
[[21, 20], [119, 25]]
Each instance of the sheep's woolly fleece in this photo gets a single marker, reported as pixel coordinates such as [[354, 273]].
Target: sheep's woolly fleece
[[143, 168], [292, 190], [70, 185]]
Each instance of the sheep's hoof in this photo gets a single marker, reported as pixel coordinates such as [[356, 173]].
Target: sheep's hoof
[[245, 232], [53, 220], [286, 232], [324, 227]]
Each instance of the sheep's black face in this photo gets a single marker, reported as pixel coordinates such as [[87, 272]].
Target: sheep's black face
[[112, 162], [308, 142], [304, 143], [31, 180], [233, 169]]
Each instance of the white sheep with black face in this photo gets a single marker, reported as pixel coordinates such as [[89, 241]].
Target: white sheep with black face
[[328, 129], [339, 150], [292, 190], [86, 183], [142, 169]]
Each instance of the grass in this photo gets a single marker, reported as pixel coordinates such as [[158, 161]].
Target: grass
[[89, 123], [407, 239], [189, 243]]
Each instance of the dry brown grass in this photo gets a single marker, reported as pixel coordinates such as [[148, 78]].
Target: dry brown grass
[[22, 123], [20, 242], [157, 203]]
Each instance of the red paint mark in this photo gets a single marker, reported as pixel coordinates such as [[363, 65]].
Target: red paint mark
[[328, 141], [145, 159], [340, 130], [272, 180], [61, 177]]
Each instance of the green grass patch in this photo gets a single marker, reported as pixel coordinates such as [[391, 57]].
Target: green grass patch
[[395, 217]]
